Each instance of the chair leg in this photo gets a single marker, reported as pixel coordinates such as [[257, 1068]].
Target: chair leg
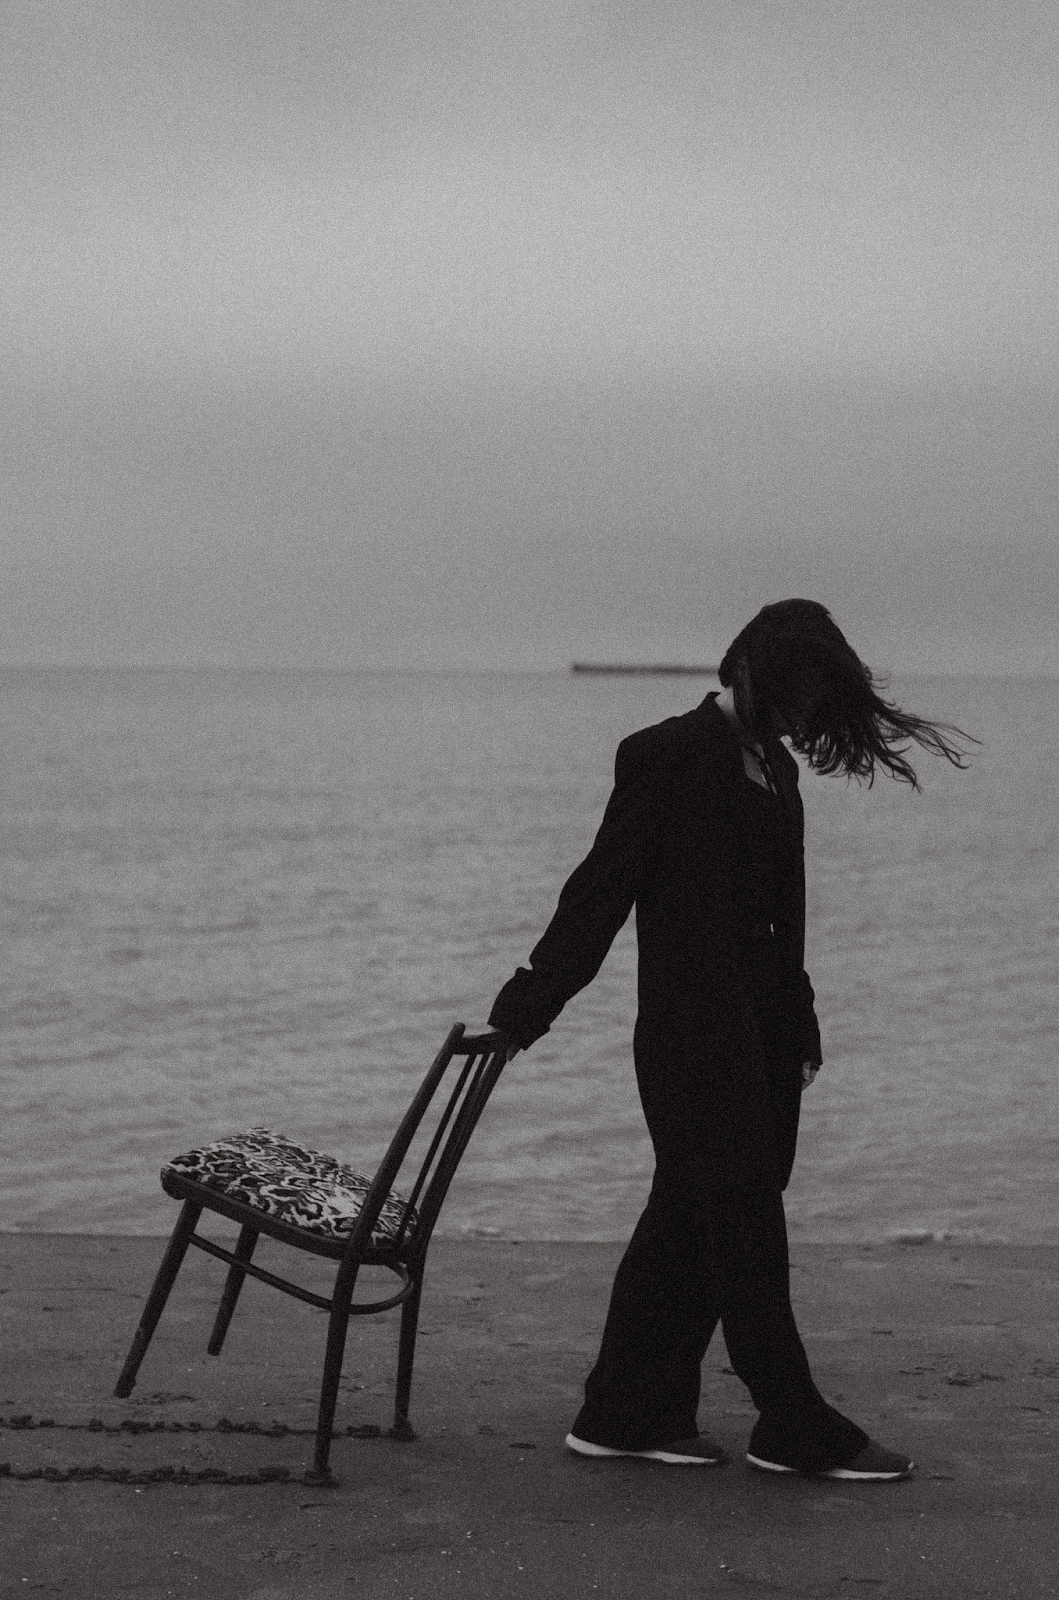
[[402, 1429], [171, 1262], [337, 1329], [248, 1237]]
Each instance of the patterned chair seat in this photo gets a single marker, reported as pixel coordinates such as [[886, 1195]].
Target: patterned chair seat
[[291, 1183]]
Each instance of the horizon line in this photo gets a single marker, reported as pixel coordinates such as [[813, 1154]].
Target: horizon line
[[564, 669]]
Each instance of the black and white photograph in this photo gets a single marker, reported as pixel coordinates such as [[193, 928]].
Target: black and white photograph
[[529, 839]]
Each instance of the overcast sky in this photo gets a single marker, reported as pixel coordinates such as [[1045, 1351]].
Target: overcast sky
[[418, 333]]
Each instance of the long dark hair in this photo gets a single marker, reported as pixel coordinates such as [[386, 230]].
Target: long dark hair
[[793, 672]]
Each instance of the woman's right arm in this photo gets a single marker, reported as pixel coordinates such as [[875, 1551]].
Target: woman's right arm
[[593, 905]]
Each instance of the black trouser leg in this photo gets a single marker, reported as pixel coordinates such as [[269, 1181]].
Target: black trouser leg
[[644, 1388], [689, 1264], [766, 1350]]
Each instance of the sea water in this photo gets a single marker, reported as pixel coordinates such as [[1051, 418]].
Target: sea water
[[235, 899]]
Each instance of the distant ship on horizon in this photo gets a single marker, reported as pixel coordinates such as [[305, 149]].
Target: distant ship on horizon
[[674, 669]]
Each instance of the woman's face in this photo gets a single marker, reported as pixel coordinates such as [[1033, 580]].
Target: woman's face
[[796, 720], [797, 716]]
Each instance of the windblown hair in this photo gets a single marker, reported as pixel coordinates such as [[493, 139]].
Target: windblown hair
[[791, 661]]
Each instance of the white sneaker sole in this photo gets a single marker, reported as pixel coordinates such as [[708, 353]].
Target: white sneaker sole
[[867, 1477], [832, 1472], [584, 1447]]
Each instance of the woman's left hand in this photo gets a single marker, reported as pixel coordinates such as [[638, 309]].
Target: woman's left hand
[[809, 1071]]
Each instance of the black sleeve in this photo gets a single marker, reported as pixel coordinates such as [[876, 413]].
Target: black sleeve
[[593, 905], [809, 1027]]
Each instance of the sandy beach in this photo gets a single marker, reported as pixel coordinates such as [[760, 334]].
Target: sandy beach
[[950, 1352]]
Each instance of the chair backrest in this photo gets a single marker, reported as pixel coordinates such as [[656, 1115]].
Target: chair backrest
[[466, 1067]]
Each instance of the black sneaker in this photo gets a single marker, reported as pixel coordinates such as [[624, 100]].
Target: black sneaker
[[872, 1465], [697, 1452]]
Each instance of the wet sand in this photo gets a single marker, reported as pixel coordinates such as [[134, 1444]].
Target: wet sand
[[949, 1352]]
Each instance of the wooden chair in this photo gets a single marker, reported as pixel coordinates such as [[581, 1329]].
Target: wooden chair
[[267, 1184]]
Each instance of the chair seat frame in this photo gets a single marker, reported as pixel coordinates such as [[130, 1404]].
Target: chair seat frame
[[203, 1197], [483, 1058]]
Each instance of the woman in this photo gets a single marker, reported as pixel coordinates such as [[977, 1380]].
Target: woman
[[703, 834]]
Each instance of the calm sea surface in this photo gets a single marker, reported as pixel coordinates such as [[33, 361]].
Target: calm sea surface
[[233, 899]]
